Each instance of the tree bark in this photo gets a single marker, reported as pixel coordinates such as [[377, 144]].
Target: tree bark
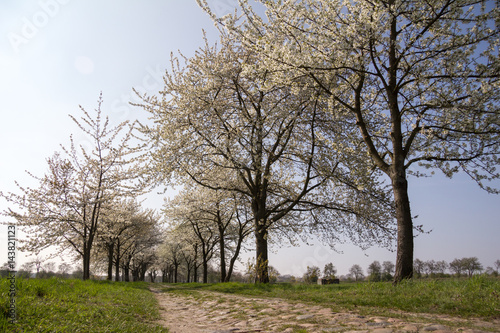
[[126, 269], [262, 262], [222, 246], [117, 267], [176, 266], [195, 271], [86, 261], [404, 257], [110, 262], [205, 270]]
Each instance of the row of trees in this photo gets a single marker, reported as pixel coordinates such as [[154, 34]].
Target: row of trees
[[86, 202], [384, 272], [397, 87], [307, 122], [41, 269], [458, 267], [264, 147]]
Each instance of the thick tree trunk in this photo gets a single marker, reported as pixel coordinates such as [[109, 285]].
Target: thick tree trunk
[[404, 258], [195, 272], [86, 267], [262, 262], [86, 261], [205, 270]]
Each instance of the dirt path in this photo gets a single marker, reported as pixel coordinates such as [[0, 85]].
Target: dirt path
[[211, 312]]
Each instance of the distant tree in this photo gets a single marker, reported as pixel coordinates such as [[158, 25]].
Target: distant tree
[[329, 271], [468, 265], [50, 266], [357, 272], [4, 269], [490, 271], [457, 267], [312, 274], [77, 273], [37, 263], [374, 271], [27, 269], [64, 269], [497, 265], [224, 217], [418, 267], [472, 265], [387, 270], [430, 267], [195, 221], [441, 267], [273, 274]]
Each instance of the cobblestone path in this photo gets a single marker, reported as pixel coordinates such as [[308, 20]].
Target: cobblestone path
[[211, 312]]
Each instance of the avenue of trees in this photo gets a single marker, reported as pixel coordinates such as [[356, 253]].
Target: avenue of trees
[[414, 83], [178, 264], [307, 122], [85, 203], [233, 131]]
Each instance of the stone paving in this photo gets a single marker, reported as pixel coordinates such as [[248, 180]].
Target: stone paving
[[211, 312]]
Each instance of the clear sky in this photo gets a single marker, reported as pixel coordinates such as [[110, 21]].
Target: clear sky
[[58, 54]]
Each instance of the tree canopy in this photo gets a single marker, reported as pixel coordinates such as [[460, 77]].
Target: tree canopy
[[226, 125], [415, 82]]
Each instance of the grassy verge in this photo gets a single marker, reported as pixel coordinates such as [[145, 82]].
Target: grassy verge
[[56, 305], [477, 297]]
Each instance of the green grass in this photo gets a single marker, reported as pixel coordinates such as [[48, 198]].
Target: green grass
[[56, 305], [477, 297]]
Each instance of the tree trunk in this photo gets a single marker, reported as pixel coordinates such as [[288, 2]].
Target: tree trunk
[[234, 258], [262, 262], [176, 266], [110, 262], [126, 268], [195, 271], [86, 261], [143, 269], [205, 270], [404, 258], [222, 246], [117, 267]]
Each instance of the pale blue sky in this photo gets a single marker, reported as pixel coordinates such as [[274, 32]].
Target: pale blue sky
[[58, 54]]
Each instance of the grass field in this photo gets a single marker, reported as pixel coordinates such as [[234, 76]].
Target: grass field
[[56, 305], [476, 297]]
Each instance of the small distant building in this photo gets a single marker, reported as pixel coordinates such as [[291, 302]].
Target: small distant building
[[328, 281]]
